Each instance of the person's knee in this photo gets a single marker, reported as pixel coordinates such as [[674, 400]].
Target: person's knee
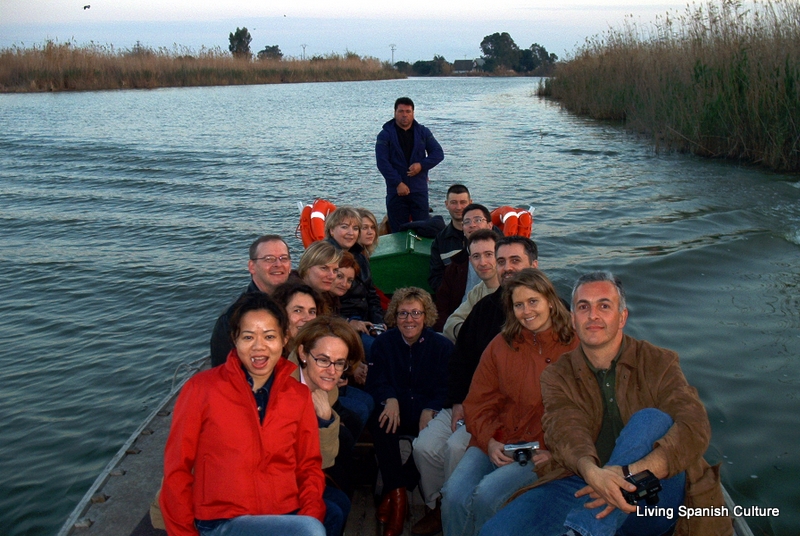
[[311, 527], [652, 423]]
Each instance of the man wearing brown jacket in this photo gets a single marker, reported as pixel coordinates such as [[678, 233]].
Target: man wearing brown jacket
[[616, 407]]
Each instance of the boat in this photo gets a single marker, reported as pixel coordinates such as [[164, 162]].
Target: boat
[[119, 501]]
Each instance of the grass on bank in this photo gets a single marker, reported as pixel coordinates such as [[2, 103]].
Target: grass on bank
[[64, 66], [720, 80]]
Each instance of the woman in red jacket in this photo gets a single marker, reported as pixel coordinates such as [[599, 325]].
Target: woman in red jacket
[[504, 404], [243, 454]]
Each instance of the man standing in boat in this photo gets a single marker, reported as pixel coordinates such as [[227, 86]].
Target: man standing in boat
[[269, 267], [617, 410], [405, 151]]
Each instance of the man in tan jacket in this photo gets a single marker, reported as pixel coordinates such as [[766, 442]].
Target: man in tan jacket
[[616, 407]]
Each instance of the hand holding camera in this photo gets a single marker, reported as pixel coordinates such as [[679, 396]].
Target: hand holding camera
[[521, 453], [647, 488]]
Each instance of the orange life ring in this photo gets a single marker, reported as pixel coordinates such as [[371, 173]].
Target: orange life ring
[[312, 221], [513, 221]]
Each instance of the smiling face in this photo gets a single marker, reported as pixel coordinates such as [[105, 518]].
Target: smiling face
[[411, 327], [455, 205], [346, 233], [269, 275], [300, 309], [332, 348], [481, 256], [596, 316], [368, 232], [473, 220], [259, 345], [321, 277], [511, 258], [343, 282], [531, 309]]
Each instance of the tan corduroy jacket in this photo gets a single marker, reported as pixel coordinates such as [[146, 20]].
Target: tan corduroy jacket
[[646, 377]]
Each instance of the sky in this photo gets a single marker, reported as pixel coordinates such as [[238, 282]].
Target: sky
[[453, 29]]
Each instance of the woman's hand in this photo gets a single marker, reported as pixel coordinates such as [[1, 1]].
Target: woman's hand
[[360, 374], [496, 453], [542, 456], [425, 417], [342, 382], [390, 416], [322, 406], [359, 326]]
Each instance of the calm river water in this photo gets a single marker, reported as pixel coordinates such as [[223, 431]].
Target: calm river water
[[125, 218]]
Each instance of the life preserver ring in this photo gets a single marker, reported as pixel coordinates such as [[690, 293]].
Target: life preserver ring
[[513, 221], [312, 221]]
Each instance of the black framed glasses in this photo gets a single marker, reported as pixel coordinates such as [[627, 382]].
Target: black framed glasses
[[325, 362]]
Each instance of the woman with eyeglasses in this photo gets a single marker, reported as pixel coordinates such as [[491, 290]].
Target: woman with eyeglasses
[[408, 381], [243, 452], [504, 404], [360, 305], [324, 349]]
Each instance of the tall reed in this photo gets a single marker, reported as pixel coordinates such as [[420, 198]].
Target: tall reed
[[64, 66], [719, 80]]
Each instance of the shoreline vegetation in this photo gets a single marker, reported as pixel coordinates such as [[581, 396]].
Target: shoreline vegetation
[[67, 67], [721, 80]]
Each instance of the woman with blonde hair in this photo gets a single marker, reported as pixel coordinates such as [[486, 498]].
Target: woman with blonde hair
[[369, 231], [408, 381], [504, 404], [360, 305], [318, 267]]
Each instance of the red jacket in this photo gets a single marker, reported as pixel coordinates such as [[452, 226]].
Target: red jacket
[[221, 463]]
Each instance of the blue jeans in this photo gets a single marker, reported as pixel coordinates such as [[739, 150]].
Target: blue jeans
[[477, 489], [286, 525], [551, 509], [337, 506], [359, 402], [405, 208]]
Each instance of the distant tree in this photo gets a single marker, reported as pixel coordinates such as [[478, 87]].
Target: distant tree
[[403, 67], [500, 52], [240, 43], [536, 57], [441, 66], [270, 53]]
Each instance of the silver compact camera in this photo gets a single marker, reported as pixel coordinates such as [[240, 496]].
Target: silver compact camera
[[521, 453]]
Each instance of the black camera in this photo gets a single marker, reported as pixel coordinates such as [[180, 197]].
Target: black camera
[[521, 452], [377, 329], [647, 488]]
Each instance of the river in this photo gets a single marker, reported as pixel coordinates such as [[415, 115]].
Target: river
[[125, 218]]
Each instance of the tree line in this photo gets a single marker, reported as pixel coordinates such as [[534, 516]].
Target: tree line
[[500, 54]]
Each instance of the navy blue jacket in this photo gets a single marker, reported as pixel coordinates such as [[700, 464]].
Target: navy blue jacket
[[415, 375], [392, 161]]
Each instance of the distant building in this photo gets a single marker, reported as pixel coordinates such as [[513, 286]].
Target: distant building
[[463, 66]]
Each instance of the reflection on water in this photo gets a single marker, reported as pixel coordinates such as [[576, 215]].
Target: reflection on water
[[126, 217]]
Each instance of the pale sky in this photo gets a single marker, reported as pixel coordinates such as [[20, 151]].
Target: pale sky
[[449, 28]]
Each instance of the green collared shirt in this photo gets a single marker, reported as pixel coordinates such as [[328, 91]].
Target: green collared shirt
[[612, 421]]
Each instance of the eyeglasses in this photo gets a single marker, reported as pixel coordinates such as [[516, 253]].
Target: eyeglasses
[[272, 259], [325, 362], [476, 220], [416, 313]]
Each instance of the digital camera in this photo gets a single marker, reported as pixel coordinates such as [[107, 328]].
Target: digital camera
[[521, 453], [647, 488], [377, 329]]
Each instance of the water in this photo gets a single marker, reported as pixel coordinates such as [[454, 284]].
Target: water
[[125, 218]]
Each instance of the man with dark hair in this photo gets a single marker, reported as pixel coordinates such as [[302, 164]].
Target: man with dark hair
[[617, 409], [441, 445], [450, 241], [269, 267], [405, 151], [460, 276]]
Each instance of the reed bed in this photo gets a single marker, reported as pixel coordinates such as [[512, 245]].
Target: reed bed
[[64, 66], [719, 80]]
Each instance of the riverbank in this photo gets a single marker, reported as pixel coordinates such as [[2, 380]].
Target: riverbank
[[720, 80], [66, 67]]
